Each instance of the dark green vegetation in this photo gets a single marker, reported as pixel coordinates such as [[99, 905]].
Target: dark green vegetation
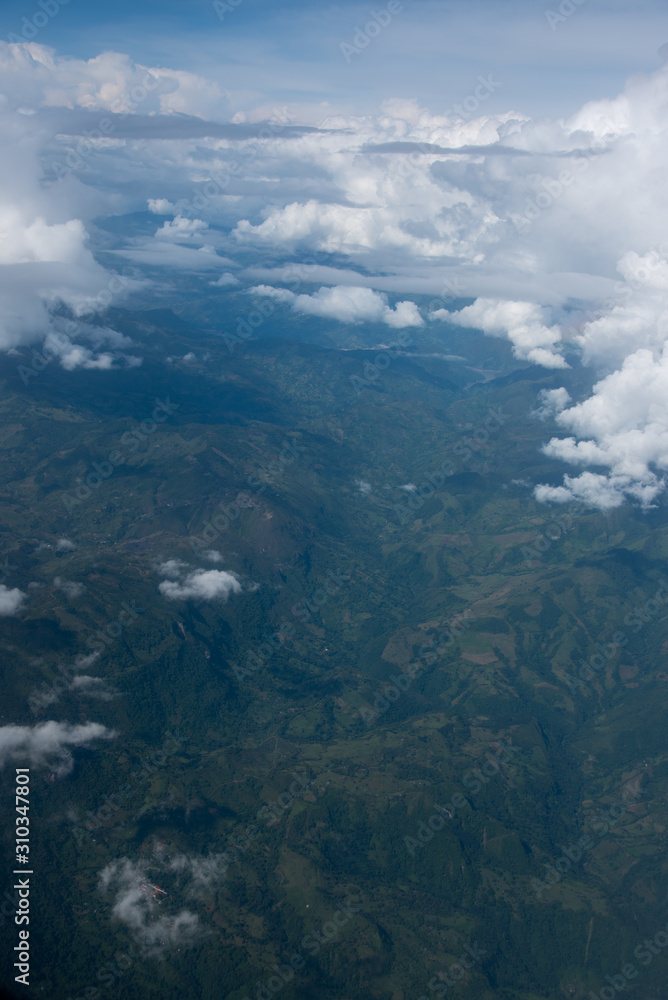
[[460, 555]]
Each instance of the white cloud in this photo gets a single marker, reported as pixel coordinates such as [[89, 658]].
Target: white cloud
[[181, 876], [622, 427], [530, 219], [180, 229], [71, 589], [552, 401], [202, 873], [173, 568], [48, 694], [167, 253], [47, 744], [202, 584], [110, 81], [11, 601], [85, 660], [212, 556], [363, 486], [65, 545], [92, 687], [161, 206], [522, 322], [226, 280], [349, 304], [135, 906]]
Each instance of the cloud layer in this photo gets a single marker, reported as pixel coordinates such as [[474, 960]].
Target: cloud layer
[[554, 228], [199, 584], [134, 905], [349, 304], [48, 744], [139, 907], [11, 600]]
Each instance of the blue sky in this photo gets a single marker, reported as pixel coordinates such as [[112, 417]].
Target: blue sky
[[431, 51]]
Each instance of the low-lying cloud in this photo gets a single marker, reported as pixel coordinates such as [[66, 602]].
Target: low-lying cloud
[[48, 743], [349, 304], [199, 584], [11, 600]]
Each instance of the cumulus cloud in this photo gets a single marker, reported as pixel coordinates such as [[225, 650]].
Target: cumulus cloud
[[85, 660], [83, 684], [201, 873], [623, 428], [150, 915], [71, 589], [522, 322], [65, 545], [161, 206], [93, 687], [349, 304], [135, 905], [47, 744], [226, 280], [552, 401], [212, 555], [172, 568], [180, 229], [490, 208], [203, 584], [48, 694], [111, 81], [11, 600]]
